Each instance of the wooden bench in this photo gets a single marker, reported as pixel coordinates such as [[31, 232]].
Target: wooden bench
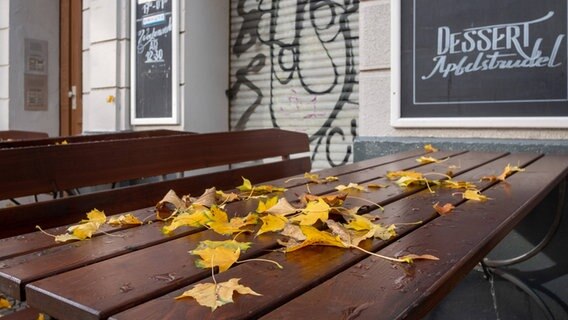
[[19, 135], [44, 140], [55, 168], [137, 275]]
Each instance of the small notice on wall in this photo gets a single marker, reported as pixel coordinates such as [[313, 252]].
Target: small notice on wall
[[35, 76], [484, 58]]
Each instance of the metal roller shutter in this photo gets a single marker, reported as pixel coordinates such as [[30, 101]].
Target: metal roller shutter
[[294, 66]]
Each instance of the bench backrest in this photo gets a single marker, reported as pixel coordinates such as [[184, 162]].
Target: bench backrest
[[34, 170], [19, 135], [43, 140]]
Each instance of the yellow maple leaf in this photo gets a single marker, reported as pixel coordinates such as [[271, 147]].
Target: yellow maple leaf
[[265, 205], [376, 230], [127, 219], [223, 197], [394, 175], [5, 304], [218, 253], [221, 224], [426, 160], [282, 208], [214, 295], [333, 200], [40, 316], [351, 187], [359, 223], [250, 189], [473, 194], [83, 230], [314, 237], [452, 184], [272, 223], [95, 216], [246, 186], [315, 178], [313, 212], [197, 217], [429, 148], [508, 171]]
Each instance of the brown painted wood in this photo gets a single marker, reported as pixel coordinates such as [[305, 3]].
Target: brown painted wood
[[17, 136], [19, 271], [23, 219], [474, 229], [98, 304], [308, 267], [24, 314], [64, 67], [45, 141], [41, 169]]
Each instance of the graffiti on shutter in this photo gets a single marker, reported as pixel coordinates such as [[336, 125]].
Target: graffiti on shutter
[[294, 66]]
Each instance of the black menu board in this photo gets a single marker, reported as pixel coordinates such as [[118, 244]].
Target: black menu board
[[483, 58], [153, 58]]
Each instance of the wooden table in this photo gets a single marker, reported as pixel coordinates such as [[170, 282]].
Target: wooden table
[[137, 275]]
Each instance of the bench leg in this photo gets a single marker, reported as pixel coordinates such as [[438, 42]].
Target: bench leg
[[493, 267]]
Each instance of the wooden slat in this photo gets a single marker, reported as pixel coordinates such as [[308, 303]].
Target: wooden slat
[[476, 229], [35, 170], [308, 267], [45, 141], [24, 314], [20, 135], [98, 304]]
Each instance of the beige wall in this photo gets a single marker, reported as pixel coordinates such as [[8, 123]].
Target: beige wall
[[375, 87], [15, 27], [4, 62]]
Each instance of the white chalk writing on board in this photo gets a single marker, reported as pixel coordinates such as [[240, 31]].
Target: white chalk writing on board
[[493, 47], [148, 42]]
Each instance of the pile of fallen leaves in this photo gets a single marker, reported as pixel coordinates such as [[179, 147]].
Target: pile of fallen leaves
[[313, 220]]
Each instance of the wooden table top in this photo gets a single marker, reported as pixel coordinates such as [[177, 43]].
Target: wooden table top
[[137, 274]]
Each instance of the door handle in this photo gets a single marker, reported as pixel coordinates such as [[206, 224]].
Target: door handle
[[73, 95]]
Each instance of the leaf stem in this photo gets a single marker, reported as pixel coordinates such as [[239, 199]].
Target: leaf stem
[[44, 232], [369, 201], [375, 254], [262, 260], [295, 178]]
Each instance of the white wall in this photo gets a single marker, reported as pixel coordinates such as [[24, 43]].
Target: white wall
[[4, 63], [33, 21], [375, 74], [204, 56], [105, 73], [204, 52]]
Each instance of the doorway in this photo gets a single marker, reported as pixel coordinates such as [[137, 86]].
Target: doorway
[[70, 78]]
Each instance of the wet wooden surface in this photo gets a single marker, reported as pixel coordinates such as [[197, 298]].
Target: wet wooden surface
[[136, 275]]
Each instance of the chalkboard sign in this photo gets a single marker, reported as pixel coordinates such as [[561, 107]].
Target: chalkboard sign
[[154, 62], [483, 59]]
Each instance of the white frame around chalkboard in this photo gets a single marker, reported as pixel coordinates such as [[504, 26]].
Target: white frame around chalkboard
[[398, 121], [174, 119]]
